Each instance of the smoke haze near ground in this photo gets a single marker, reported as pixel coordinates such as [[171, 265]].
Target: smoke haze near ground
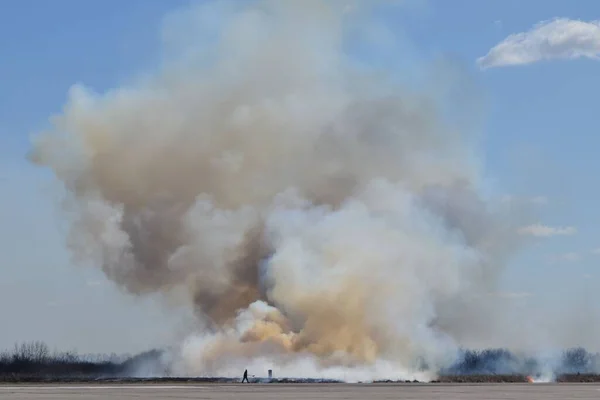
[[320, 219]]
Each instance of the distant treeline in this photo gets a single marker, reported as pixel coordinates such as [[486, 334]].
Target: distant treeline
[[35, 360], [502, 361]]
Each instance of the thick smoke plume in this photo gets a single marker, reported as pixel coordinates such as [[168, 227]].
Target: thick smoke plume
[[320, 218]]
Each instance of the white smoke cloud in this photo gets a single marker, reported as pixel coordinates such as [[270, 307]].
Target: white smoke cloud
[[540, 230], [560, 38], [316, 216]]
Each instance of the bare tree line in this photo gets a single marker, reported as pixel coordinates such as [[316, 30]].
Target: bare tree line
[[35, 359], [39, 352]]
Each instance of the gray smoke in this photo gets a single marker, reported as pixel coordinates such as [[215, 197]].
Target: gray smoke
[[319, 217]]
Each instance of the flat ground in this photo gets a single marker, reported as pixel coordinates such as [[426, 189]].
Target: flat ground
[[303, 391]]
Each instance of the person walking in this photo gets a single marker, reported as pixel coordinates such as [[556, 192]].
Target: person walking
[[245, 378]]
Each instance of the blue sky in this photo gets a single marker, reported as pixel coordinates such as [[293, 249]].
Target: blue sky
[[540, 125]]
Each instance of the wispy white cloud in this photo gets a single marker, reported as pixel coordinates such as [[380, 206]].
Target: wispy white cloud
[[571, 257], [94, 283], [540, 200], [540, 230], [537, 200], [596, 251], [511, 295], [560, 38]]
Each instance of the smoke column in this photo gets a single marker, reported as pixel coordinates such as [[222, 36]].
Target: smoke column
[[320, 219]]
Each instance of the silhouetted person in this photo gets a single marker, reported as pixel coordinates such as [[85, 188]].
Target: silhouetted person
[[245, 378]]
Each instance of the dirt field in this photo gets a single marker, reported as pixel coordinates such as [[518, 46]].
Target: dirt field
[[303, 391]]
